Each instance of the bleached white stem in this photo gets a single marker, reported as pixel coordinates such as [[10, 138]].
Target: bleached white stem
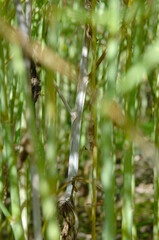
[[36, 202], [76, 124], [25, 28], [24, 23], [28, 15], [21, 18], [23, 198], [23, 172]]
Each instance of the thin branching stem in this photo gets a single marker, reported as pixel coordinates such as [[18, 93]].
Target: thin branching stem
[[63, 99]]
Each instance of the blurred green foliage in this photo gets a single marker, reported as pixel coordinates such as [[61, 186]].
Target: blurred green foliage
[[128, 76]]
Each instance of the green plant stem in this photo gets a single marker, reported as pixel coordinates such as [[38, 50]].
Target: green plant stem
[[49, 204], [128, 177], [94, 119], [23, 198], [127, 193], [108, 180], [13, 222], [13, 177], [156, 177]]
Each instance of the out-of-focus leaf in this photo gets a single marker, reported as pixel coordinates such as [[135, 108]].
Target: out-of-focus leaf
[[138, 72], [134, 76], [114, 112], [43, 55], [150, 58]]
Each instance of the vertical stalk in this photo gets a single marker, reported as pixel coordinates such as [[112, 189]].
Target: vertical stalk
[[25, 28], [49, 203], [128, 177], [156, 177], [36, 201], [8, 142], [23, 198], [136, 103], [22, 173], [43, 79], [107, 144], [14, 224], [107, 180], [2, 185], [94, 119], [108, 166], [19, 117], [79, 105], [94, 175], [127, 192], [12, 99]]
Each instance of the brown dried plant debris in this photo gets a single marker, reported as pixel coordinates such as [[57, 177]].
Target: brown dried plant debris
[[26, 149], [67, 215], [35, 82]]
